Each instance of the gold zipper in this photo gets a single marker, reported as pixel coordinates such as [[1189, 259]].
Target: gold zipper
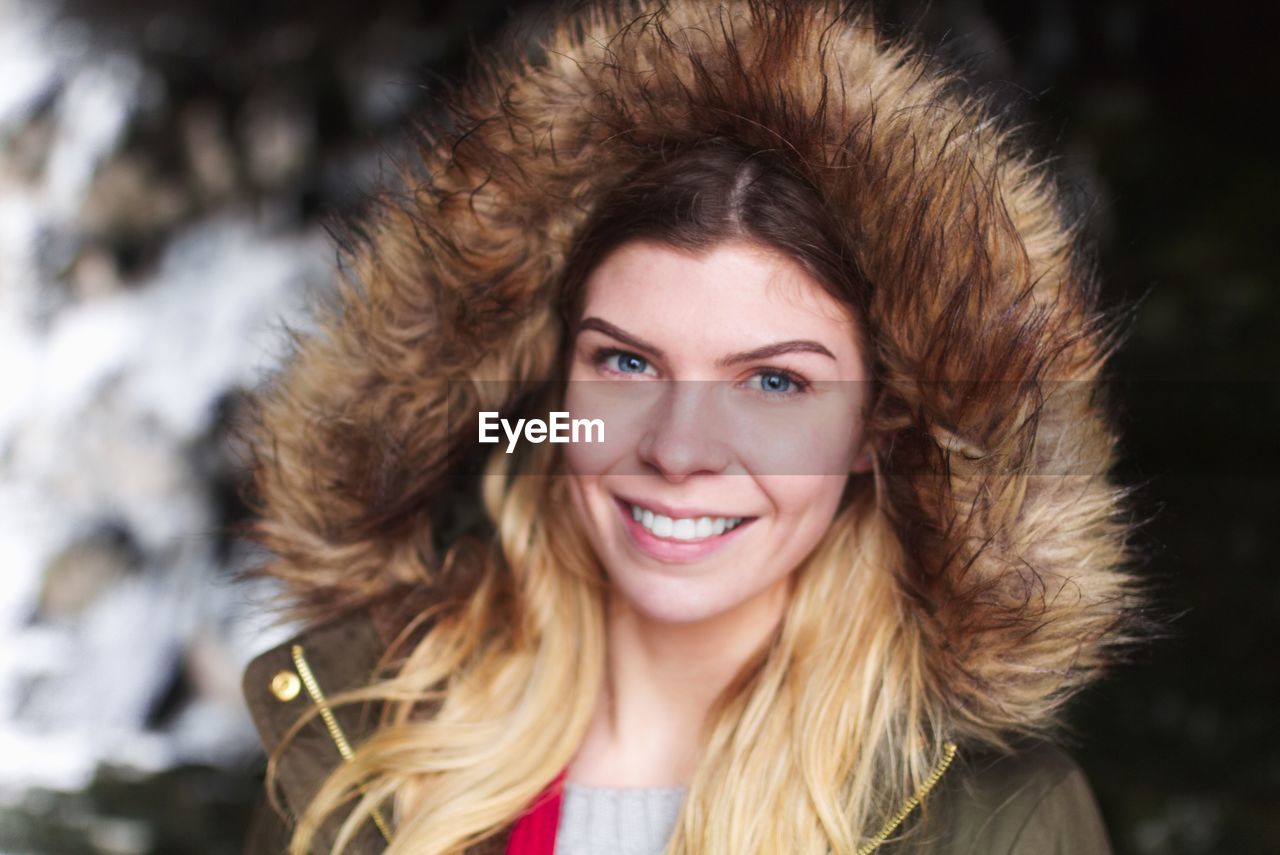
[[335, 730], [948, 754]]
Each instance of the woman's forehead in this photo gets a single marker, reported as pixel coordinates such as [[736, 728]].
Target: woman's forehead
[[735, 290]]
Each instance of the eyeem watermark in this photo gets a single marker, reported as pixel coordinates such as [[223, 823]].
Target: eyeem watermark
[[560, 428]]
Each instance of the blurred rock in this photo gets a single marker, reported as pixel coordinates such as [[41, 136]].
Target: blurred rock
[[208, 151], [95, 274], [278, 136], [127, 197], [77, 575]]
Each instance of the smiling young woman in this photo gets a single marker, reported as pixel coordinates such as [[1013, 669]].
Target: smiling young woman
[[848, 543]]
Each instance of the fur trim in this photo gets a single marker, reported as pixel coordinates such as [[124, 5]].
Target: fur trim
[[994, 448]]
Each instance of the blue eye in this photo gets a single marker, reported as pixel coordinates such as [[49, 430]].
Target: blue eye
[[627, 363], [771, 381]]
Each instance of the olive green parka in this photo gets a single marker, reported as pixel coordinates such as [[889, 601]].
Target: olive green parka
[[1034, 801]]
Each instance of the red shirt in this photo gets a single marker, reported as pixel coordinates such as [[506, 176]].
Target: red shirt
[[534, 833]]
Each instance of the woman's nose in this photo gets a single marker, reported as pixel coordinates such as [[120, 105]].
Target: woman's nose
[[683, 436]]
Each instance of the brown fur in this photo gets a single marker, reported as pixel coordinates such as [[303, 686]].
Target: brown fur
[[992, 446]]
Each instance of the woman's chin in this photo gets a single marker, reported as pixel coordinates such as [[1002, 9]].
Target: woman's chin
[[660, 597], [673, 609]]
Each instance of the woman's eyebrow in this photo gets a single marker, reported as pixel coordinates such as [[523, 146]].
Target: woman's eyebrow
[[769, 351], [601, 325], [801, 345]]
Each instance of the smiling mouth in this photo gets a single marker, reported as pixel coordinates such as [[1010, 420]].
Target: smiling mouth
[[683, 529]]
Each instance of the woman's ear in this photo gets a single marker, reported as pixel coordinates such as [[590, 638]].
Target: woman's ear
[[863, 462]]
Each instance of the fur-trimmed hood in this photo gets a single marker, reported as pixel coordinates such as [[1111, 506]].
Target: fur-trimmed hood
[[992, 439]]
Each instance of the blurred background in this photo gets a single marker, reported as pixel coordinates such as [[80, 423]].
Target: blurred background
[[167, 170]]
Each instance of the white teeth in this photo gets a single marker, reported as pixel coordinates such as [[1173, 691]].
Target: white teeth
[[686, 528]]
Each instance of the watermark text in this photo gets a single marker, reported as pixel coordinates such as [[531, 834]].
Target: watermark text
[[559, 427]]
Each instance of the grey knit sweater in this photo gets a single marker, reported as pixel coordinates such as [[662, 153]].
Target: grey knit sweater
[[617, 820]]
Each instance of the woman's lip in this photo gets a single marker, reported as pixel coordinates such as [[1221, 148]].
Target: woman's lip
[[678, 513], [675, 551]]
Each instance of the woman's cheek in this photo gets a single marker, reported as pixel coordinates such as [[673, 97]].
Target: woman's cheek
[[804, 503], [806, 448], [620, 409], [587, 460]]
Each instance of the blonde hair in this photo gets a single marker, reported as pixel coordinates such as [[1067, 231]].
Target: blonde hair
[[823, 733]]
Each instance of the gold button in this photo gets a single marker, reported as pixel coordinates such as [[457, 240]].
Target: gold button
[[285, 685]]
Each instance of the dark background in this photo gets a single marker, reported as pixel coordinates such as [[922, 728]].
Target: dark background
[[1157, 116]]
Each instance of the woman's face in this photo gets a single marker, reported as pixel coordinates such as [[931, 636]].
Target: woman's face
[[731, 388]]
